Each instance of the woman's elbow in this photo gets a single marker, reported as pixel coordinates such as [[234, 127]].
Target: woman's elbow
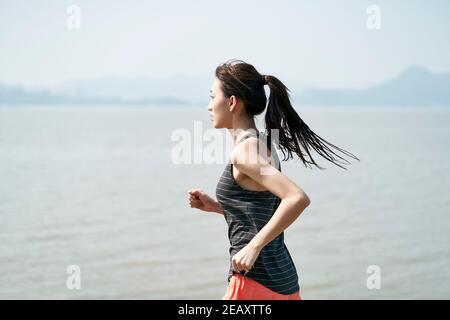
[[302, 201], [307, 200]]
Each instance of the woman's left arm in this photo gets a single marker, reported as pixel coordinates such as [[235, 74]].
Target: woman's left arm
[[293, 202], [287, 212]]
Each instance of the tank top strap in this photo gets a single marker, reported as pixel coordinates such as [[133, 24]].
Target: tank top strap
[[268, 143], [248, 135]]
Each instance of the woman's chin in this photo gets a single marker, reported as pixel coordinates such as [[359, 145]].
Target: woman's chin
[[217, 125]]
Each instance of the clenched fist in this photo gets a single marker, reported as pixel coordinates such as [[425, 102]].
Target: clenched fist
[[198, 199], [245, 259]]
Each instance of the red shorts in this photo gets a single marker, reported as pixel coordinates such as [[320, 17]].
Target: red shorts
[[245, 288]]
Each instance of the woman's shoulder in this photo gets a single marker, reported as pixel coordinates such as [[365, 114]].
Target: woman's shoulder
[[252, 151], [245, 150]]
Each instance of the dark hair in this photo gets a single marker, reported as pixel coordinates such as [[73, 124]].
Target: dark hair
[[242, 80]]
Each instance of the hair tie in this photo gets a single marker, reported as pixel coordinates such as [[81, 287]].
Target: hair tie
[[263, 78]]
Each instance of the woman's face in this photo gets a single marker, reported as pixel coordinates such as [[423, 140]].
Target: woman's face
[[219, 107]]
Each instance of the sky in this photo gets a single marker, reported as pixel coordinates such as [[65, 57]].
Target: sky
[[324, 44]]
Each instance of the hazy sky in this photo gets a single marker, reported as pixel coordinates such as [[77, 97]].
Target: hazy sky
[[314, 43]]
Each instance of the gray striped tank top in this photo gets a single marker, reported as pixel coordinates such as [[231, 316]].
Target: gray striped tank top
[[246, 212]]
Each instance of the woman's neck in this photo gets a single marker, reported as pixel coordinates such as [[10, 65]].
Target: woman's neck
[[241, 128]]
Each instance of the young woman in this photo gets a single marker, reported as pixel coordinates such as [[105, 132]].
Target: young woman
[[256, 199]]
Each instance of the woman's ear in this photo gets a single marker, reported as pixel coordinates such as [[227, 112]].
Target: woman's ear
[[232, 103]]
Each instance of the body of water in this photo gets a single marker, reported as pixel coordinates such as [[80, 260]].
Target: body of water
[[97, 187]]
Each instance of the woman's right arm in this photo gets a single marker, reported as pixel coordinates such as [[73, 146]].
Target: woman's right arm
[[219, 209], [197, 198]]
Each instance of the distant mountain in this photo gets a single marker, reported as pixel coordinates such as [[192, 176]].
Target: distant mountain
[[176, 88], [414, 87], [14, 95], [171, 90]]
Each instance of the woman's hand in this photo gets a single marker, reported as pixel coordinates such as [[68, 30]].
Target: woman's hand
[[245, 258], [197, 198]]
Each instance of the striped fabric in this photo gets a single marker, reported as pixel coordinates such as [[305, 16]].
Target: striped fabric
[[246, 212]]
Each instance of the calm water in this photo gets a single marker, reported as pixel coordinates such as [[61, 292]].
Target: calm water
[[96, 187]]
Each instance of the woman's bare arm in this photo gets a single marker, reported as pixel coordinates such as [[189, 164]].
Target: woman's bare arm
[[293, 199]]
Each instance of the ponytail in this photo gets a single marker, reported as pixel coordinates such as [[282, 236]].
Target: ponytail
[[242, 80], [292, 131]]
